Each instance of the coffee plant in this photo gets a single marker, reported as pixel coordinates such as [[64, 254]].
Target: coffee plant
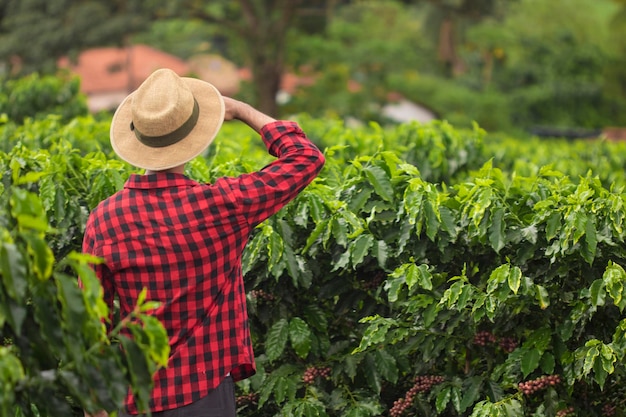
[[37, 96], [57, 357], [427, 271]]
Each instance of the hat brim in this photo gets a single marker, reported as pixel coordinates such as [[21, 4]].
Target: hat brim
[[210, 119]]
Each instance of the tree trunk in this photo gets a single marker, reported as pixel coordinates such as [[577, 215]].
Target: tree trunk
[[266, 36], [447, 50], [266, 76], [267, 66]]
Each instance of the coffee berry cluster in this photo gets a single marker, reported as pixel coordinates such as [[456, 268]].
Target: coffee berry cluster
[[423, 383], [566, 412], [313, 372], [538, 384], [484, 338], [507, 344], [247, 399], [609, 410], [262, 295], [373, 282]]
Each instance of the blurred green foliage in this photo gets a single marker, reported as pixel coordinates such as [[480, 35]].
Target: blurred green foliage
[[507, 65], [36, 96], [538, 63]]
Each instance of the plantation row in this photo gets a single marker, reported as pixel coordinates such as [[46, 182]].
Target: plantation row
[[427, 271]]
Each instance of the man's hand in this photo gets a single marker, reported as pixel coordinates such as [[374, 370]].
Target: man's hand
[[100, 413], [233, 108], [238, 110]]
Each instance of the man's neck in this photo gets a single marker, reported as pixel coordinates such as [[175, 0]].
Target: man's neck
[[180, 169]]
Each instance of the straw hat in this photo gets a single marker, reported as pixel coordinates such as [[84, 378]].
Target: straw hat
[[167, 121]]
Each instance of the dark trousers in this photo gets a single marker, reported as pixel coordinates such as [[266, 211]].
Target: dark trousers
[[218, 403]]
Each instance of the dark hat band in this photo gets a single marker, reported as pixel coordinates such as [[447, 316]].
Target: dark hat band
[[172, 137]]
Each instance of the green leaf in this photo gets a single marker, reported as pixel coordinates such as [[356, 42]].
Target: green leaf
[[380, 181], [590, 357], [27, 209], [424, 277], [350, 364], [141, 297], [451, 295], [480, 205], [614, 277], [515, 279], [381, 252], [432, 221], [372, 376], [608, 358], [339, 229], [374, 333], [276, 339], [393, 286], [16, 314], [497, 277], [512, 408], [471, 393], [386, 365], [307, 407], [497, 229], [71, 298], [553, 225], [443, 398], [316, 316], [159, 349], [455, 398], [530, 361], [300, 337], [13, 268], [360, 247], [139, 370], [267, 388], [364, 409], [494, 390], [591, 241], [294, 268], [252, 253], [418, 275], [547, 363], [43, 258], [448, 220], [541, 294], [284, 389], [275, 250], [539, 339], [11, 369], [320, 227], [597, 293], [482, 409]]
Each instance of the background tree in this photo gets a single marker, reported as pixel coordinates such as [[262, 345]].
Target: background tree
[[354, 58], [258, 33], [554, 70], [447, 21], [35, 33], [257, 30], [616, 76]]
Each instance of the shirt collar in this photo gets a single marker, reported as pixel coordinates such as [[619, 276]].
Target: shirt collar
[[159, 180]]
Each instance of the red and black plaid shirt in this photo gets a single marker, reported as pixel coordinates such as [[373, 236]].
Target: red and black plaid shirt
[[183, 242]]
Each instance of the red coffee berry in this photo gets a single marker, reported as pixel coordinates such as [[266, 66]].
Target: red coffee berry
[[483, 338], [537, 384]]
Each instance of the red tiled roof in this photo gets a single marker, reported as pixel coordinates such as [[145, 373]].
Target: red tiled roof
[[109, 69], [120, 69]]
